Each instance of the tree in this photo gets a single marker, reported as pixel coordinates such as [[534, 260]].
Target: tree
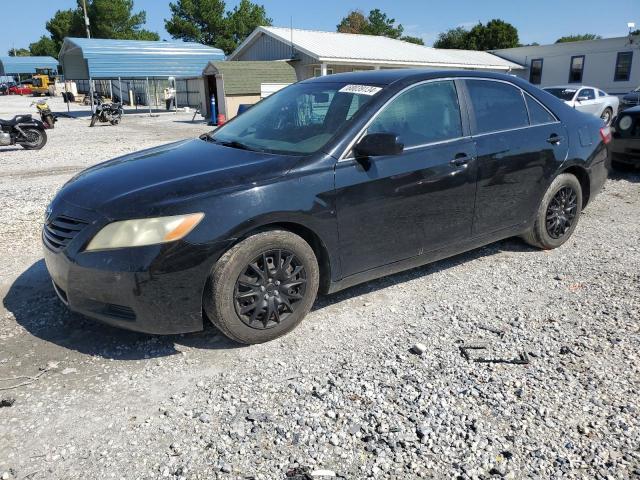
[[457, 38], [206, 21], [376, 23], [578, 38], [635, 32], [494, 35], [44, 47], [410, 39], [19, 52]]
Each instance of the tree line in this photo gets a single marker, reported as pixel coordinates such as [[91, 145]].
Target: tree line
[[210, 22]]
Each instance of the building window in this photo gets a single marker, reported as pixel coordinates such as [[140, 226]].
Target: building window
[[535, 72], [623, 67], [317, 71], [576, 69]]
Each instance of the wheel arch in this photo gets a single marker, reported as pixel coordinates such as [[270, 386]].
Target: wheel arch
[[585, 182]]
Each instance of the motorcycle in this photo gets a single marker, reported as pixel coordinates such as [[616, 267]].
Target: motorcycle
[[46, 115], [23, 130], [107, 113]]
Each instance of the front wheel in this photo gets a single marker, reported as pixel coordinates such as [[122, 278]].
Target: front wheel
[[557, 214], [262, 287], [93, 120], [34, 139]]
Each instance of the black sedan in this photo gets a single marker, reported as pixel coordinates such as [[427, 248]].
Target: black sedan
[[625, 146], [328, 183]]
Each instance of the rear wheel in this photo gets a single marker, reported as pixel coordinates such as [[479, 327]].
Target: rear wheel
[[557, 214], [262, 287], [607, 116], [34, 139]]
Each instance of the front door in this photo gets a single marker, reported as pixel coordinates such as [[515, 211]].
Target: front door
[[586, 101], [400, 206], [519, 145]]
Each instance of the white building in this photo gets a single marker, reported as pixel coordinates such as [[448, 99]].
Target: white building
[[611, 64], [315, 53]]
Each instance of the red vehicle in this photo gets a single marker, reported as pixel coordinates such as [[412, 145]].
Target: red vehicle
[[22, 89]]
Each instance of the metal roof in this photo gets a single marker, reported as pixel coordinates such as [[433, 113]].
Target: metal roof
[[348, 48], [16, 65], [245, 78], [102, 58]]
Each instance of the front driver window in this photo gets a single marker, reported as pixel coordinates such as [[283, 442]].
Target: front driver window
[[424, 114], [588, 93]]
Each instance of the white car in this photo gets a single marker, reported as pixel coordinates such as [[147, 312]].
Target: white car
[[588, 99]]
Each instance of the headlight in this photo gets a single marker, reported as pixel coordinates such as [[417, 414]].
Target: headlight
[[144, 231], [625, 122]]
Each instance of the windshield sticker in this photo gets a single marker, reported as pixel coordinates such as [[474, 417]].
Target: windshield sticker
[[360, 89]]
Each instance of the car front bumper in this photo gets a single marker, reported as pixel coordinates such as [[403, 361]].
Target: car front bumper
[[154, 289], [626, 150]]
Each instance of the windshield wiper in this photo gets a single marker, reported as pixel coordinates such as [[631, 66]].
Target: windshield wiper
[[227, 143]]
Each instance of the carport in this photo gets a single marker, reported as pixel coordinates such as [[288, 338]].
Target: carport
[[10, 66], [128, 69]]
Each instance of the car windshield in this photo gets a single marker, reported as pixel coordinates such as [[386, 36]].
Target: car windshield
[[637, 89], [298, 120], [562, 93]]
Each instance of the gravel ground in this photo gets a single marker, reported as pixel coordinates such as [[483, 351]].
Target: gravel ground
[[343, 392]]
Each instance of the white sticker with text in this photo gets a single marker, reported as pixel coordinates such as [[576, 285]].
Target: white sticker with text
[[360, 89]]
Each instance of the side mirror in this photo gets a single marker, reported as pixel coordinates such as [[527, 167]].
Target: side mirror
[[582, 99], [378, 144]]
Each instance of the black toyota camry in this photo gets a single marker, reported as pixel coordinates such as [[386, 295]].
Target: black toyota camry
[[330, 182]]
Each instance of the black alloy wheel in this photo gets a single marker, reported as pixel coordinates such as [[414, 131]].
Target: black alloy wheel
[[270, 289], [34, 139], [561, 212]]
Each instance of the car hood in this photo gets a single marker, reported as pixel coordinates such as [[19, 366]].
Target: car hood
[[635, 96], [140, 182]]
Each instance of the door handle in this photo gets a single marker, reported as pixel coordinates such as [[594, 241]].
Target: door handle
[[460, 160], [554, 139]]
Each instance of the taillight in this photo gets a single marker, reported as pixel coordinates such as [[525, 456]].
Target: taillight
[[605, 134]]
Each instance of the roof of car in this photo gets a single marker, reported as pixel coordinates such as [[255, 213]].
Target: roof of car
[[387, 77]]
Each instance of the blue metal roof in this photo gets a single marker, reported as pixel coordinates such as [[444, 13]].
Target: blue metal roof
[[100, 58], [16, 65]]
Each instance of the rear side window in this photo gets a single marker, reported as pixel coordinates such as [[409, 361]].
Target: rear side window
[[537, 113], [496, 106], [423, 114]]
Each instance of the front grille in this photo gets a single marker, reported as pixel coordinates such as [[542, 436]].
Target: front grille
[[57, 233]]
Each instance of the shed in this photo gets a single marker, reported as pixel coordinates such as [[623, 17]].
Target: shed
[[315, 53], [134, 63], [25, 65], [238, 83]]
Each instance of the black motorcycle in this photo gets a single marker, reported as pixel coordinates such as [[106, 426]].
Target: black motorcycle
[[23, 130], [107, 113]]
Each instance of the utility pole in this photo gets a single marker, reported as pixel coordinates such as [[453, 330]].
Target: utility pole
[[86, 17]]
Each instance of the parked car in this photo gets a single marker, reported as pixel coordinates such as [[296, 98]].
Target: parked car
[[625, 145], [325, 184], [20, 89], [631, 99], [589, 100]]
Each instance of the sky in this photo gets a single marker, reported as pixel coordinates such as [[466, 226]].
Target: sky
[[541, 21]]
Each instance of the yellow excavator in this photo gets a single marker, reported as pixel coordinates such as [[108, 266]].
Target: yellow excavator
[[43, 78]]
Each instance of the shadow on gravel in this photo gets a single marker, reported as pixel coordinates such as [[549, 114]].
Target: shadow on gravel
[[4, 150], [626, 173], [35, 306], [508, 245]]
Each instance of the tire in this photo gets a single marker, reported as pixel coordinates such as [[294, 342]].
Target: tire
[[555, 234], [50, 121], [227, 296], [39, 140], [93, 120], [607, 116]]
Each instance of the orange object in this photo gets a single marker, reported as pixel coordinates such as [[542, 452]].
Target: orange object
[[185, 227], [222, 119]]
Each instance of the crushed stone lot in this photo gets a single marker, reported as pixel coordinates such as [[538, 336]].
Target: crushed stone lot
[[349, 391]]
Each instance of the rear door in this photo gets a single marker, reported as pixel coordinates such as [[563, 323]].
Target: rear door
[[403, 205], [519, 144]]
